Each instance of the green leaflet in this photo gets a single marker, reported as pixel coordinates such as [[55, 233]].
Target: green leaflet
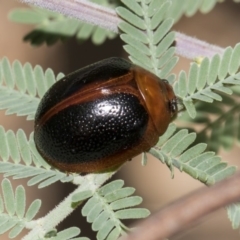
[[208, 81], [180, 152], [132, 18], [66, 234], [17, 146], [20, 201], [82, 196], [108, 205], [33, 210], [234, 215], [20, 85], [148, 37], [15, 216]]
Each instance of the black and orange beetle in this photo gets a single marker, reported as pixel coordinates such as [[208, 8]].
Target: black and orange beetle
[[100, 116]]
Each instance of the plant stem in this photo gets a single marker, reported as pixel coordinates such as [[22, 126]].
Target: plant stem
[[47, 223], [107, 18], [190, 47], [83, 10]]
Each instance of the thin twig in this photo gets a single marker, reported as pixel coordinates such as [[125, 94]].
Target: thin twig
[[185, 212], [190, 47], [38, 228], [83, 10], [107, 18]]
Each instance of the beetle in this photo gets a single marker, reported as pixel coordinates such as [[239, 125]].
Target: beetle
[[100, 116]]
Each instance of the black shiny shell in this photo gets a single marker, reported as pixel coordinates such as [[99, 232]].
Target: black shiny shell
[[100, 116], [93, 130]]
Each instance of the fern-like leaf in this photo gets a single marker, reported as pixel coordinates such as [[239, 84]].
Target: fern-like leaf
[[108, 206], [22, 85], [207, 81], [20, 159], [13, 213], [219, 122], [51, 27], [177, 149], [147, 35]]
